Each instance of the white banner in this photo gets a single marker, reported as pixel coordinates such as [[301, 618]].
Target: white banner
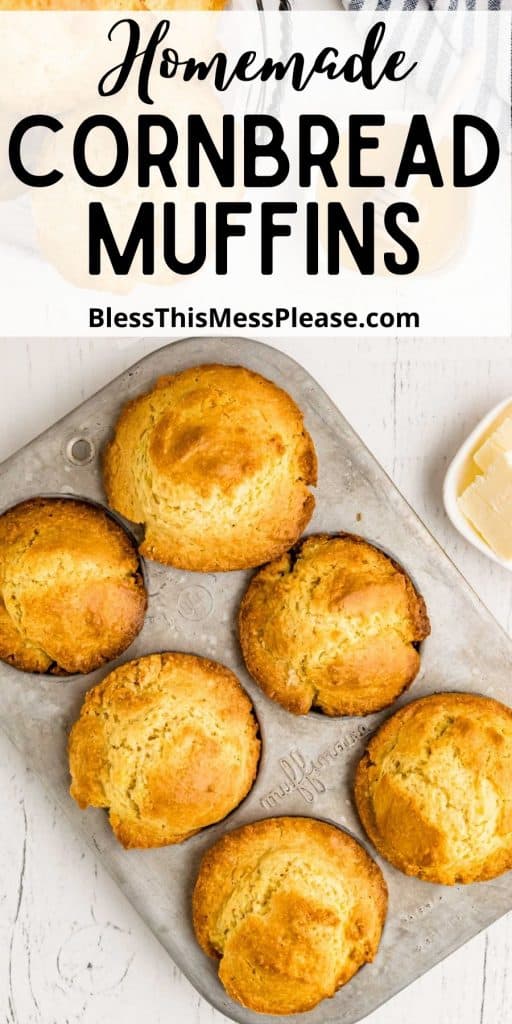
[[346, 173]]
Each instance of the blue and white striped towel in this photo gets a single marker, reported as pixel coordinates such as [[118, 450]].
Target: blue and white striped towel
[[438, 44]]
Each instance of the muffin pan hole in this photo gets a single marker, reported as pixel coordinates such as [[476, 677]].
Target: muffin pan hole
[[80, 451]]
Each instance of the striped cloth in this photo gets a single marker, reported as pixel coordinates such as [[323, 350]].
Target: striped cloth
[[428, 5], [439, 43]]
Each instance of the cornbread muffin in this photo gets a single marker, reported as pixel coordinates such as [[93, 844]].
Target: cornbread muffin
[[333, 624], [434, 789], [216, 462], [72, 595], [292, 908], [168, 743]]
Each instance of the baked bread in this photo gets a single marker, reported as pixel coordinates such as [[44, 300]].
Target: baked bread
[[292, 908], [216, 462], [335, 625], [168, 743], [434, 788], [72, 595]]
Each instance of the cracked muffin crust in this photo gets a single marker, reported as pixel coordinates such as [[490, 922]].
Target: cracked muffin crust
[[216, 462], [291, 908], [72, 595], [434, 788], [334, 624], [168, 743]]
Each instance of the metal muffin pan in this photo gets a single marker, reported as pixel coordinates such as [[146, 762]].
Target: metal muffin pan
[[307, 763]]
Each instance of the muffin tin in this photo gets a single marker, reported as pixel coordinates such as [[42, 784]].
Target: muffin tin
[[307, 763]]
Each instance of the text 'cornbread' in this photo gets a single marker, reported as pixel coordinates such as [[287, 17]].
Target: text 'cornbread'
[[434, 789], [71, 592], [168, 743], [292, 908], [216, 462], [333, 624]]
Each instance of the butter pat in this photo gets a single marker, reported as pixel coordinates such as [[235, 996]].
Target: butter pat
[[499, 442], [487, 502]]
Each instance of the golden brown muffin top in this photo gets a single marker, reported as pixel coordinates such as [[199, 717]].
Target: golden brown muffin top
[[434, 789], [216, 462], [332, 625], [168, 743], [72, 595], [292, 908]]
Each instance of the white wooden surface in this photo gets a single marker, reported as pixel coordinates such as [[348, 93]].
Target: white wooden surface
[[71, 948]]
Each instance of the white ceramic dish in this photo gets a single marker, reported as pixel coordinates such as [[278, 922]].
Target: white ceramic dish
[[452, 483]]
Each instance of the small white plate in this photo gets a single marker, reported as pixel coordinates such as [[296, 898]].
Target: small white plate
[[452, 481]]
